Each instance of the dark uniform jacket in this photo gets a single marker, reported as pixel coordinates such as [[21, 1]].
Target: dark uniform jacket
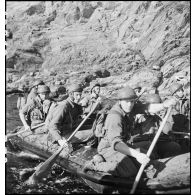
[[35, 111], [63, 119], [181, 115], [119, 125], [31, 95]]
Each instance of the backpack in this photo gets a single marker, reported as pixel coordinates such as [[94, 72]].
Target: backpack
[[98, 125]]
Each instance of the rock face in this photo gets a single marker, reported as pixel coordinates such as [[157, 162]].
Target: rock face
[[100, 39]]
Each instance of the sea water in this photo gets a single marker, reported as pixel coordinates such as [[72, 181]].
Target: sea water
[[58, 181]]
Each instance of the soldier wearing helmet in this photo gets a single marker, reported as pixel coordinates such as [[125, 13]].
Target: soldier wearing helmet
[[151, 124], [181, 112], [115, 147], [33, 92], [89, 101], [35, 111], [65, 118], [139, 90]]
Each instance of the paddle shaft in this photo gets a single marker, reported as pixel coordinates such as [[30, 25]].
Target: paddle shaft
[[139, 174], [41, 170], [34, 127], [179, 133]]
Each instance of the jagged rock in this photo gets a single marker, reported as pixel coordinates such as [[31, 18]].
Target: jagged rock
[[51, 17], [89, 78], [98, 73], [36, 9], [40, 43], [52, 73], [124, 38], [87, 11], [105, 73], [128, 68], [73, 16]]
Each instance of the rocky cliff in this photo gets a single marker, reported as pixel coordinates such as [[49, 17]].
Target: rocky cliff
[[114, 42]]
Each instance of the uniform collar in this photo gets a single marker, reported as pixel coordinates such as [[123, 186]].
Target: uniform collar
[[118, 108]]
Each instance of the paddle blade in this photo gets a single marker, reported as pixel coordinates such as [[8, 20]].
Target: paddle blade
[[43, 169]]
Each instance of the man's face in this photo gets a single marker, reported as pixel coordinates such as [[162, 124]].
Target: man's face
[[96, 90], [179, 93], [77, 96], [127, 105], [137, 91], [44, 96]]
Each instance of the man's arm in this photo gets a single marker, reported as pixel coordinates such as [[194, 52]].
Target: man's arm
[[154, 108], [57, 122], [124, 149], [26, 111]]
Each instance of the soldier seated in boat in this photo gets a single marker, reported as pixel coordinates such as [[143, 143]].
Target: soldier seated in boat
[[33, 92], [65, 118], [148, 124], [120, 157], [35, 111], [89, 101], [180, 119]]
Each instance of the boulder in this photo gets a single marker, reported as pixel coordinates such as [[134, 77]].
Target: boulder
[[87, 11], [36, 9], [105, 73], [73, 16], [90, 77]]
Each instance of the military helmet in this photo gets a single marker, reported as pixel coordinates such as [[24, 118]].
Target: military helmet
[[175, 87], [126, 93], [75, 88], [39, 82], [153, 99], [43, 89], [95, 85], [61, 90], [137, 86]]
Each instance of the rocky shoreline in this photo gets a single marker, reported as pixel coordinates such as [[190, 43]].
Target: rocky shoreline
[[115, 43]]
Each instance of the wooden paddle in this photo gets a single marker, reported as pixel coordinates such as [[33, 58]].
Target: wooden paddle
[[139, 174], [19, 132], [43, 169], [179, 133]]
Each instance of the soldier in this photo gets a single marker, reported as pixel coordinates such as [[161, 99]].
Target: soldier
[[139, 90], [64, 119], [181, 112], [149, 124], [35, 111], [88, 102], [121, 157], [33, 92]]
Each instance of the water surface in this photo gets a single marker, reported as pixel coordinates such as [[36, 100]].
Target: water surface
[[58, 182]]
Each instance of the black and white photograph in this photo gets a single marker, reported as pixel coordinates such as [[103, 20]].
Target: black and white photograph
[[97, 97]]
